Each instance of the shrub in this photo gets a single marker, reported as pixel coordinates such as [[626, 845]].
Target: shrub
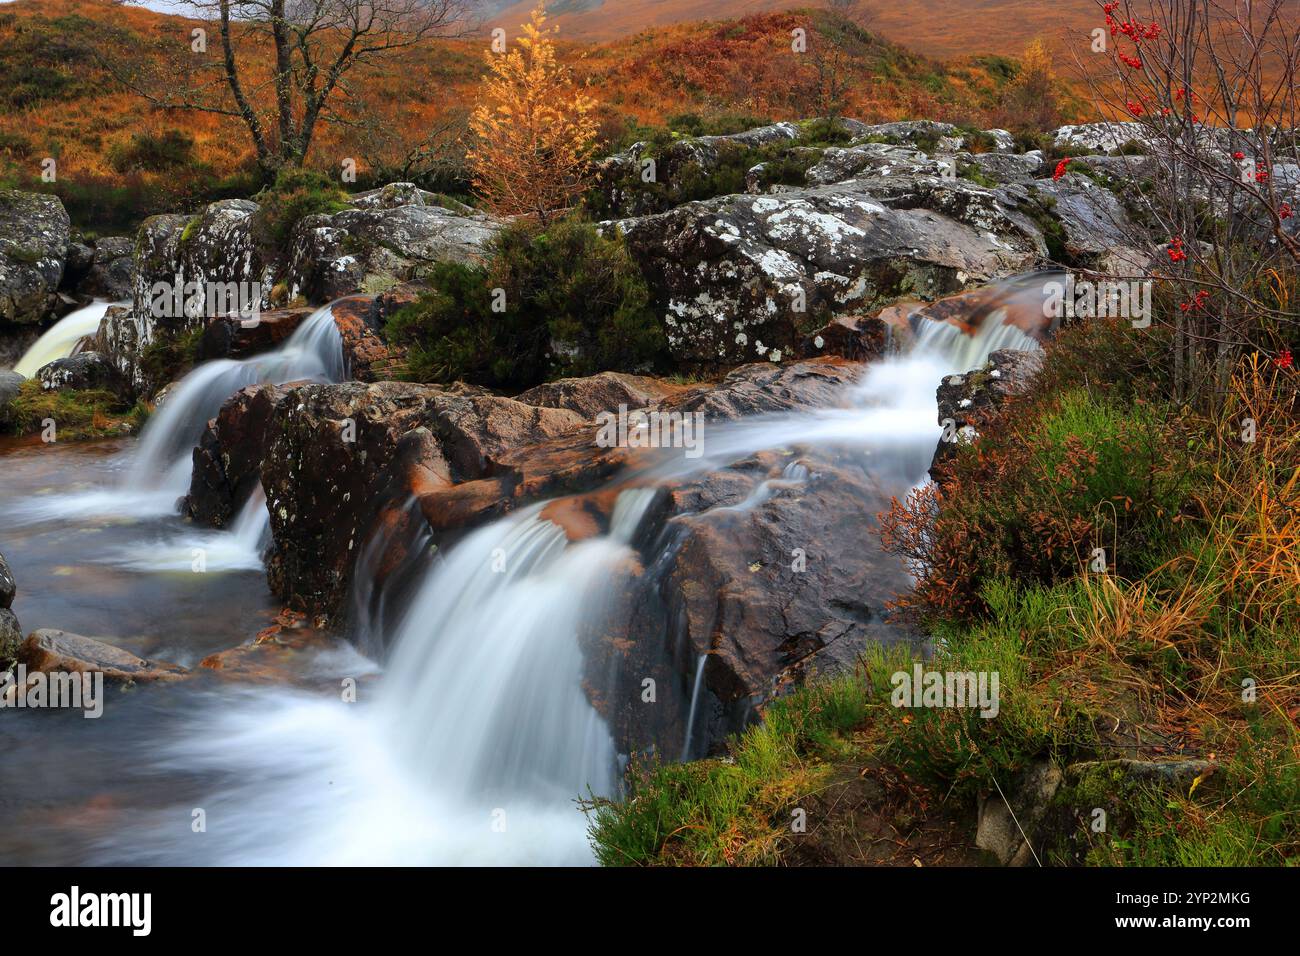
[[295, 194], [570, 303], [1046, 484], [151, 153]]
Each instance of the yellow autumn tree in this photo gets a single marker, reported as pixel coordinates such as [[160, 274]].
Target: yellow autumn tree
[[533, 128], [1030, 102]]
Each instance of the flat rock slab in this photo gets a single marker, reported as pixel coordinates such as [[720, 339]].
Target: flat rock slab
[[48, 650]]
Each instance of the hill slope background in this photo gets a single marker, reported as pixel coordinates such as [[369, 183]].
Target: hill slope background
[[939, 28], [119, 158]]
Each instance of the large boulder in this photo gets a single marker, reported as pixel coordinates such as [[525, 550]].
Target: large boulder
[[741, 278], [215, 263], [327, 451], [187, 271], [228, 459], [386, 236], [751, 578], [7, 586], [34, 236], [81, 372], [111, 268]]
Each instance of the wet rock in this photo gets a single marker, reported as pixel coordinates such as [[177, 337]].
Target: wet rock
[[1003, 826], [759, 389], [7, 586], [327, 451], [232, 337], [855, 337], [464, 456], [228, 459], [965, 399], [48, 650], [34, 235], [767, 570], [593, 394], [83, 371], [366, 356]]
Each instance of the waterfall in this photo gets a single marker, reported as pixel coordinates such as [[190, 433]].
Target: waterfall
[[162, 461], [695, 703], [481, 737], [61, 340], [472, 751], [157, 471]]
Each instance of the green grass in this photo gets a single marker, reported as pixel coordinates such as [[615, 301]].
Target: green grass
[[76, 415], [1054, 691]]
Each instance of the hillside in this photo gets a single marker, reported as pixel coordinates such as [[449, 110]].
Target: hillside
[[938, 28], [119, 158]]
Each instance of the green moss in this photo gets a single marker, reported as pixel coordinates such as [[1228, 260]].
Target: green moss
[[168, 357], [190, 228], [76, 415]]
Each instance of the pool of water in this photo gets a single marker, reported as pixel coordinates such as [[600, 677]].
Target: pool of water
[[90, 559]]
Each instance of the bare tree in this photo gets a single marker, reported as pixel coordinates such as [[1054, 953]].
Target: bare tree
[[1210, 88], [280, 63], [840, 35]]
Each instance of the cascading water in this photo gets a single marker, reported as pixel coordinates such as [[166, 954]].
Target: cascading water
[[480, 739], [61, 340], [476, 748], [157, 472], [162, 461]]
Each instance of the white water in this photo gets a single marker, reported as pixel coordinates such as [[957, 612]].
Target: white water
[[472, 752], [202, 550], [61, 339], [162, 461], [480, 739], [695, 703], [158, 470]]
